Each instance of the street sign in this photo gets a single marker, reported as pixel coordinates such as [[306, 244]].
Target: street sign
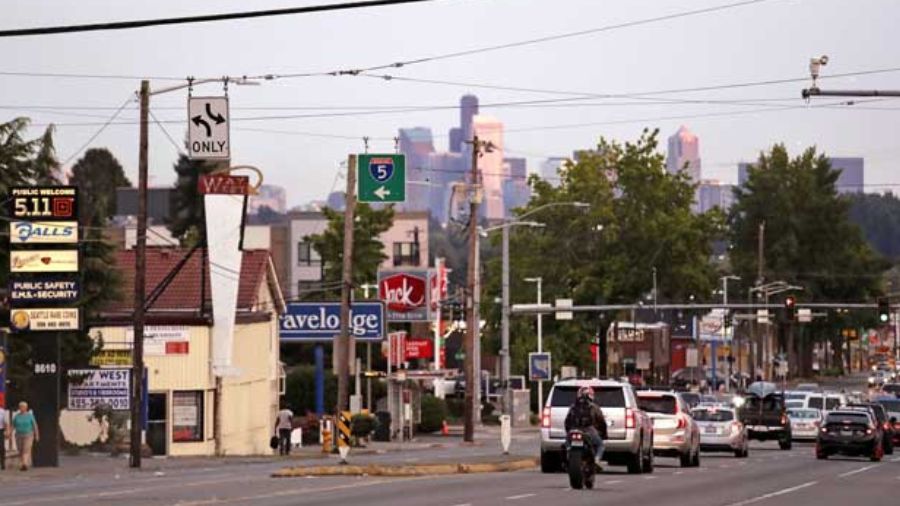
[[381, 178], [804, 315], [539, 366], [762, 316], [321, 321], [208, 128], [223, 184], [563, 304], [89, 388]]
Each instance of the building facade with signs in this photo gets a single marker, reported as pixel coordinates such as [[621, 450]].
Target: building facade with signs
[[178, 351]]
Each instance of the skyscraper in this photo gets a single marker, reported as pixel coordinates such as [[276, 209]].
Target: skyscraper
[[516, 191], [417, 144], [684, 154], [712, 193], [550, 169], [491, 166]]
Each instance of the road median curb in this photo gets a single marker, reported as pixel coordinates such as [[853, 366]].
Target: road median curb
[[408, 470]]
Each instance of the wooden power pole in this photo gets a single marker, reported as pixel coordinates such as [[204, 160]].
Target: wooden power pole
[[140, 276], [345, 344]]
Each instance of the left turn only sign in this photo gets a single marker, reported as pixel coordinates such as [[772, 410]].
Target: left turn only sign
[[208, 128]]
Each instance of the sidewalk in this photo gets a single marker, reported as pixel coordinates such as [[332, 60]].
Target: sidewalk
[[425, 448]]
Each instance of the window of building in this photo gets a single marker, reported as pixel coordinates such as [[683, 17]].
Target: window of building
[[306, 287], [187, 416], [406, 253], [307, 254]]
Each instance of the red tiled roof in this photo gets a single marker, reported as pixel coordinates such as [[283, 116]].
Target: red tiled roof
[[183, 293]]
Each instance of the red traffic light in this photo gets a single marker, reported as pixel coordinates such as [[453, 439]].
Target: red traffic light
[[790, 302]]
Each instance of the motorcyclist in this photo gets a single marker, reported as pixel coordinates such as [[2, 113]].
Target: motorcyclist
[[587, 417]]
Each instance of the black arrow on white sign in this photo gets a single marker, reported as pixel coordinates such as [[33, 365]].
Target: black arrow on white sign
[[198, 120], [218, 118]]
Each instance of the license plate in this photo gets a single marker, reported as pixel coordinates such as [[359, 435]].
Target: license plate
[[711, 430], [761, 428], [576, 443]]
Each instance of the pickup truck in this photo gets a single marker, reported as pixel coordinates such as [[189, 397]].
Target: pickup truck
[[765, 416]]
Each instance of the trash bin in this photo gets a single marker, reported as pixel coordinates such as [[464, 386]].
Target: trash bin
[[382, 426]]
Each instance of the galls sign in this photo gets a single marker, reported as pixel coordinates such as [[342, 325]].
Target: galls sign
[[405, 294]]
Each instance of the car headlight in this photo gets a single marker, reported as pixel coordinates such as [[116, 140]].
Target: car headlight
[[871, 379], [738, 401]]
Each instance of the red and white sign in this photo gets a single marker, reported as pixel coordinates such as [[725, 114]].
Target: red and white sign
[[405, 294], [223, 184], [419, 348], [396, 343], [438, 284]]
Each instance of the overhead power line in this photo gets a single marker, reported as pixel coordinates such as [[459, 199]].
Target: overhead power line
[[143, 23]]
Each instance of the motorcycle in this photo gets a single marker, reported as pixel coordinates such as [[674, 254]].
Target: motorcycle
[[580, 460]]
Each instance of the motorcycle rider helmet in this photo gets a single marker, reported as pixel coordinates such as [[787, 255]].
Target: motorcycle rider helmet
[[586, 393]]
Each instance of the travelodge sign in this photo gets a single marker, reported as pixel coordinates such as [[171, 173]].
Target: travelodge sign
[[406, 295]]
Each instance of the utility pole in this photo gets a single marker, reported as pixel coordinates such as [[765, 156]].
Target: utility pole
[[345, 344], [473, 377], [504, 324], [140, 275]]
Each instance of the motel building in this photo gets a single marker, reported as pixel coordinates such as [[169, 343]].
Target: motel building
[[177, 353]]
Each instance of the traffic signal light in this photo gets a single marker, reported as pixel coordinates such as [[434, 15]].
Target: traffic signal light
[[884, 310], [790, 308]]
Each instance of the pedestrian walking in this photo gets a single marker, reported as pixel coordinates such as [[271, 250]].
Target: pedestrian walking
[[284, 424], [26, 430], [4, 435]]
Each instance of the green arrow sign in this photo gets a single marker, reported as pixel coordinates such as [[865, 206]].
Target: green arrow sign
[[381, 178]]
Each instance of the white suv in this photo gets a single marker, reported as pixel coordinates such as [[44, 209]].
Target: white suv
[[629, 430]]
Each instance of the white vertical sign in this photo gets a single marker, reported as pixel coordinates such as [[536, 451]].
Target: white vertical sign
[[224, 215]]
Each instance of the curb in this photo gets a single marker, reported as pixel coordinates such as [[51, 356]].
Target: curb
[[410, 470]]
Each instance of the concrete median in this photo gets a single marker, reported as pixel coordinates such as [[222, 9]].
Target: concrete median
[[408, 470]]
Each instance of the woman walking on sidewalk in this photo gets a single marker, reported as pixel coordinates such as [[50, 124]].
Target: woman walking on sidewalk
[[26, 430]]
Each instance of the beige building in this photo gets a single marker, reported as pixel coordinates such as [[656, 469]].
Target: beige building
[[182, 414]]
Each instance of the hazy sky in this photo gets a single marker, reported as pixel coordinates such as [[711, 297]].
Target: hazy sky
[[770, 40]]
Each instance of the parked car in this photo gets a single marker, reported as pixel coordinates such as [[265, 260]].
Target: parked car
[[883, 421], [721, 431], [805, 423], [765, 415], [850, 432], [675, 433], [629, 430]]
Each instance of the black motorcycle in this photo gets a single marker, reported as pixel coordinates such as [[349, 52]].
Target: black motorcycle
[[580, 460]]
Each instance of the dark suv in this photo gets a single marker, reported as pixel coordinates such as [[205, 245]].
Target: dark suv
[[765, 416], [887, 441], [850, 432]]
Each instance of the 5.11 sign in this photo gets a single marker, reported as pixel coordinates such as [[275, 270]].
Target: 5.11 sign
[[44, 203]]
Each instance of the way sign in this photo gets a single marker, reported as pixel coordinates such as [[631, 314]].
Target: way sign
[[381, 178], [208, 128]]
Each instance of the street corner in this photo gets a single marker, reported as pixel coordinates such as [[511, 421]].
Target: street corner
[[503, 466]]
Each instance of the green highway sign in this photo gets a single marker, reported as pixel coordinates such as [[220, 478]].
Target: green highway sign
[[381, 178]]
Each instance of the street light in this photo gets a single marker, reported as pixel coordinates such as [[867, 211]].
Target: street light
[[504, 320]]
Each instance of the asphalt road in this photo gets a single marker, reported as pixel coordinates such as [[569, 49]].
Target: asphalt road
[[769, 477]]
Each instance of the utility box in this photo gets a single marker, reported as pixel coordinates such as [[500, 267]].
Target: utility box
[[521, 408]]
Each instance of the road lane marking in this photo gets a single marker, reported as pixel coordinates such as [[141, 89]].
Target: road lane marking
[[520, 496], [287, 493], [612, 482], [676, 473], [895, 459], [649, 477], [464, 504], [857, 471], [774, 494]]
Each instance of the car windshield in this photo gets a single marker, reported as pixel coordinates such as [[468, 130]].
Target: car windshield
[[664, 404], [769, 403], [606, 397], [844, 417], [793, 404], [712, 415], [892, 388], [832, 403], [795, 395], [803, 414], [815, 402]]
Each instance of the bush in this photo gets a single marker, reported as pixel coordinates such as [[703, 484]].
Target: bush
[[434, 412], [300, 394], [456, 407]]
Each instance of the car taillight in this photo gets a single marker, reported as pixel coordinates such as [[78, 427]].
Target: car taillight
[[824, 429], [629, 418], [783, 419], [868, 431], [887, 426], [545, 419], [735, 426], [682, 423], [576, 436]]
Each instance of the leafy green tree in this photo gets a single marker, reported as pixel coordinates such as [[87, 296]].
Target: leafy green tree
[[809, 241], [639, 219], [368, 251], [97, 175], [187, 221]]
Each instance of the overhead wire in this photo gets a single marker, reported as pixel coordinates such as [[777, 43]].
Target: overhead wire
[[99, 131]]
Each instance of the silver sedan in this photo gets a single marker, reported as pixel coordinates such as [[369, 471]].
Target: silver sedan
[[721, 431]]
